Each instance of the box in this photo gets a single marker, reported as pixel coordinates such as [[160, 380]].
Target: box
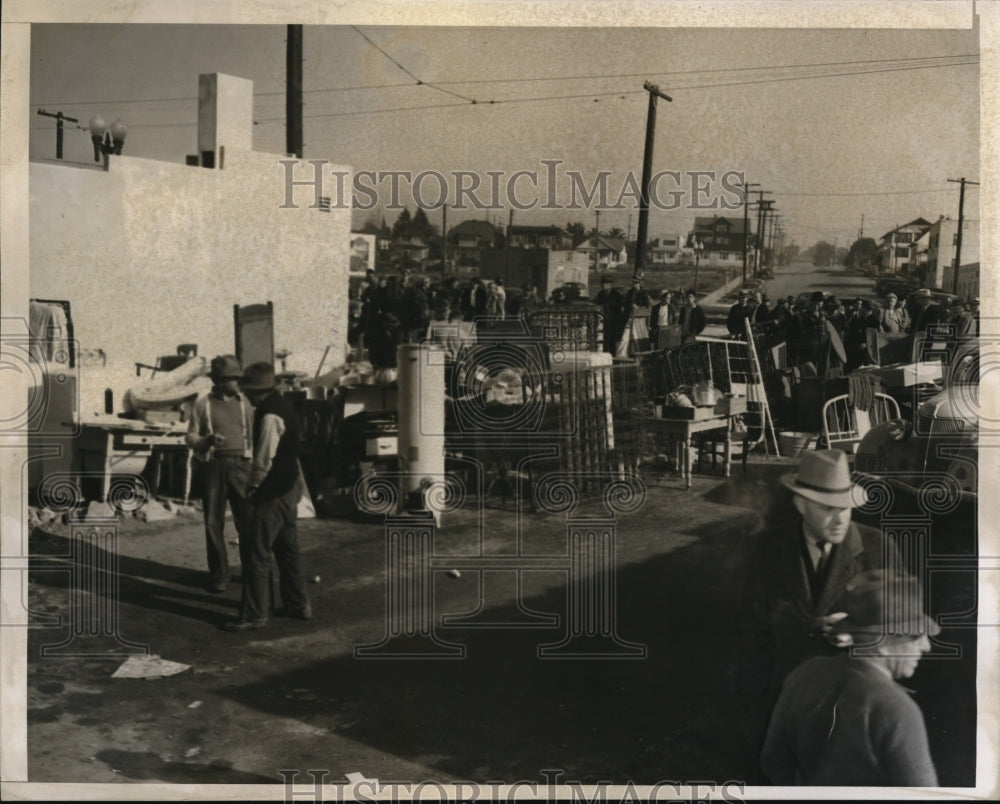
[[674, 412], [730, 406], [381, 445], [907, 374]]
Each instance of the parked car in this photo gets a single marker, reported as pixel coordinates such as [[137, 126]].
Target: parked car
[[574, 291]]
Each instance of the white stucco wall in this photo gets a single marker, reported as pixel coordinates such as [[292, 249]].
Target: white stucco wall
[[153, 254]]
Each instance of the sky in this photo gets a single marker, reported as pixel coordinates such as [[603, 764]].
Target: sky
[[884, 119]]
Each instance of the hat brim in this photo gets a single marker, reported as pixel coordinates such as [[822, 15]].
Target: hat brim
[[913, 626], [853, 497], [257, 386]]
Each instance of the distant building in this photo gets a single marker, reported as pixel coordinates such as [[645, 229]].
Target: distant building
[[942, 242], [604, 252], [894, 246], [410, 245], [552, 237], [469, 239], [721, 240], [383, 236], [664, 249], [545, 268]]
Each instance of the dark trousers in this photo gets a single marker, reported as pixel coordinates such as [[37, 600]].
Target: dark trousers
[[274, 531], [224, 479]]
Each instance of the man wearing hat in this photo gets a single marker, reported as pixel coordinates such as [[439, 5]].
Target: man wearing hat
[[893, 317], [610, 301], [843, 720], [797, 572], [219, 433], [739, 313], [275, 488], [692, 318]]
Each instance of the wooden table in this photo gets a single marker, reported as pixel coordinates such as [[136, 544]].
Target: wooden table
[[113, 446], [685, 428]]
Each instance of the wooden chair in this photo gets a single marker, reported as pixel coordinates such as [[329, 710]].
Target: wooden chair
[[844, 425]]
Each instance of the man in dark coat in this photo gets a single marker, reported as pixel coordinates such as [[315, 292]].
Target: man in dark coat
[[797, 572], [843, 720], [739, 313], [275, 488], [610, 302], [692, 318]]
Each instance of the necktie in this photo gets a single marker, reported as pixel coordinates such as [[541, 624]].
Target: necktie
[[824, 556]]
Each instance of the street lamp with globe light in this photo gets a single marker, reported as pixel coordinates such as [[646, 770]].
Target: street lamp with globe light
[[106, 140], [698, 247]]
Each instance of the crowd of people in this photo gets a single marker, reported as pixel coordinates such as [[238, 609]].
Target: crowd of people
[[827, 332]]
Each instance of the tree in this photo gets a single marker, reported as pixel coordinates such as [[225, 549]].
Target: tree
[[402, 223], [615, 234], [422, 226], [823, 253], [861, 254], [790, 252], [578, 231]]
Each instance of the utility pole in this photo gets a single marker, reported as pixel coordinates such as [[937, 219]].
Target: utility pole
[[746, 224], [293, 91], [647, 168], [510, 225], [762, 209], [961, 222], [597, 233], [444, 239], [60, 117], [758, 243]]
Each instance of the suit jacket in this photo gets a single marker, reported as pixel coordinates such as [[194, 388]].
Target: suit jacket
[[781, 625]]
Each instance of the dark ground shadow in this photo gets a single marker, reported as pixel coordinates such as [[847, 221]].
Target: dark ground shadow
[[51, 562], [145, 766], [502, 713]]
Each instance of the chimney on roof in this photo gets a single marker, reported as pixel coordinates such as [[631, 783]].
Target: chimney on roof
[[225, 116]]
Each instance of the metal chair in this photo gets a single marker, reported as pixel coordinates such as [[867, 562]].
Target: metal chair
[[844, 425]]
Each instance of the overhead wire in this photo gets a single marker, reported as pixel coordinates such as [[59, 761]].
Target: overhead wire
[[925, 62]]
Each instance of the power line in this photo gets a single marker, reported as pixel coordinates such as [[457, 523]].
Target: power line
[[887, 192], [939, 61], [401, 67], [593, 95], [625, 92], [707, 71]]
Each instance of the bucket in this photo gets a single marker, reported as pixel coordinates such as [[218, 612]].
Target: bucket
[[791, 444]]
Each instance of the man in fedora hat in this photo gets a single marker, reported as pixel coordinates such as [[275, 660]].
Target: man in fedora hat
[[843, 719], [691, 317], [275, 488], [220, 435], [610, 301], [738, 314], [797, 572]]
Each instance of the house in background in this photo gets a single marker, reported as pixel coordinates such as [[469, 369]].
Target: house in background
[[552, 237], [469, 239], [604, 253], [382, 234], [664, 249], [894, 246], [942, 243], [721, 240], [410, 245]]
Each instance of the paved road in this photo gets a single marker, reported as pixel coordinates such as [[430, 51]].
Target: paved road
[[791, 280]]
